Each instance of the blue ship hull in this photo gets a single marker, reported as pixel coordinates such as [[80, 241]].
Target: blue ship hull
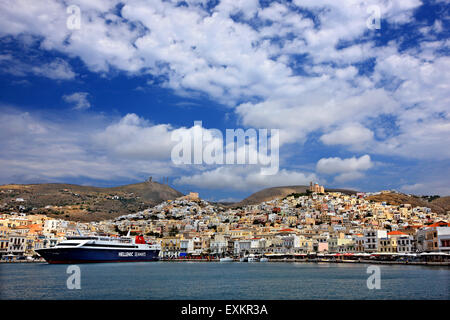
[[86, 255]]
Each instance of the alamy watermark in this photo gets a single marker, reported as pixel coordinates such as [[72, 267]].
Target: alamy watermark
[[206, 146], [373, 22], [73, 22], [74, 280], [374, 280]]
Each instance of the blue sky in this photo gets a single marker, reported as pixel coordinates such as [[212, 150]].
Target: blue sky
[[356, 107]]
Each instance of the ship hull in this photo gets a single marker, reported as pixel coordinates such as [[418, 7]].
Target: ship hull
[[86, 255]]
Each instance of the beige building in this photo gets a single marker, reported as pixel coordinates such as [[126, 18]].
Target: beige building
[[316, 188]]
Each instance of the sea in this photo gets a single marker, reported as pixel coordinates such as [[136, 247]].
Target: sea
[[230, 281]]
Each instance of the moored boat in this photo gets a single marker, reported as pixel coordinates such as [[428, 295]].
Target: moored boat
[[226, 259]]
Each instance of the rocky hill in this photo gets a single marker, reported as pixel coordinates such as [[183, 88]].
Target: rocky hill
[[443, 202], [83, 203], [279, 192], [399, 198]]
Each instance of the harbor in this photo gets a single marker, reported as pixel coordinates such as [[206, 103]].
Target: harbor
[[216, 280], [428, 259]]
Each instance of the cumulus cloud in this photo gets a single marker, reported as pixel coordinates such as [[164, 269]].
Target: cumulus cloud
[[251, 64], [244, 178], [78, 99], [427, 188], [351, 134], [347, 169], [198, 49], [35, 148], [338, 165], [58, 69], [101, 148]]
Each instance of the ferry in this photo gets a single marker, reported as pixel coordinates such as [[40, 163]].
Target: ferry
[[95, 249]]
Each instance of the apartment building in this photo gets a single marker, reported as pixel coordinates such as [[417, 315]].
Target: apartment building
[[371, 238]]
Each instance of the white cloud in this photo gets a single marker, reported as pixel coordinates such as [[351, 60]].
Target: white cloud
[[78, 99], [244, 178], [40, 149], [57, 69], [254, 70], [96, 147], [348, 176], [338, 165], [427, 188], [346, 169], [133, 137], [350, 134]]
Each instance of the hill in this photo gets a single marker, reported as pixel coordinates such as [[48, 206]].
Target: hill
[[83, 203], [279, 192], [415, 201], [443, 202]]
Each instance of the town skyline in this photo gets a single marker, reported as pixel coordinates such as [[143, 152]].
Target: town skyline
[[311, 222]]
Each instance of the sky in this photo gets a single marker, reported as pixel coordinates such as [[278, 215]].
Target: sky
[[92, 92]]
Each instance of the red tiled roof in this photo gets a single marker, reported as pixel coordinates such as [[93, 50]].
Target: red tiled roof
[[396, 233], [439, 224]]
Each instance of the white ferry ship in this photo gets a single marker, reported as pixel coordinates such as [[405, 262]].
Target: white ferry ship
[[85, 249]]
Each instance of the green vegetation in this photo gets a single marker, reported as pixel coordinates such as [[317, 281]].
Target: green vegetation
[[298, 195], [431, 198]]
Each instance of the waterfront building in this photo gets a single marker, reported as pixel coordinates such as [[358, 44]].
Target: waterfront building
[[4, 244], [219, 244], [387, 245], [434, 238], [170, 247], [16, 245], [371, 238], [405, 243], [242, 247]]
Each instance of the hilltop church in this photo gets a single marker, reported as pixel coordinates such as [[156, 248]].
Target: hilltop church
[[316, 188]]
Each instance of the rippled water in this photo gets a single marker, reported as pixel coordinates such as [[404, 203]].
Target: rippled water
[[190, 280]]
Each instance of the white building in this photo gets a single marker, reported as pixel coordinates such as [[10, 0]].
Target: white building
[[241, 247], [371, 238], [187, 246], [218, 245], [443, 236]]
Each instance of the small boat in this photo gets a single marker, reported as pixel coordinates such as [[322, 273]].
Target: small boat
[[243, 259], [252, 258], [263, 259], [226, 259]]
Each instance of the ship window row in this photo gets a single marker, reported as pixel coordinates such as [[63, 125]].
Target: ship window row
[[108, 245]]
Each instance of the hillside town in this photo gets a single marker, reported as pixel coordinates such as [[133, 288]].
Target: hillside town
[[326, 225]]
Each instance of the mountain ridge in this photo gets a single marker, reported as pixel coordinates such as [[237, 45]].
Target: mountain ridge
[[83, 203]]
